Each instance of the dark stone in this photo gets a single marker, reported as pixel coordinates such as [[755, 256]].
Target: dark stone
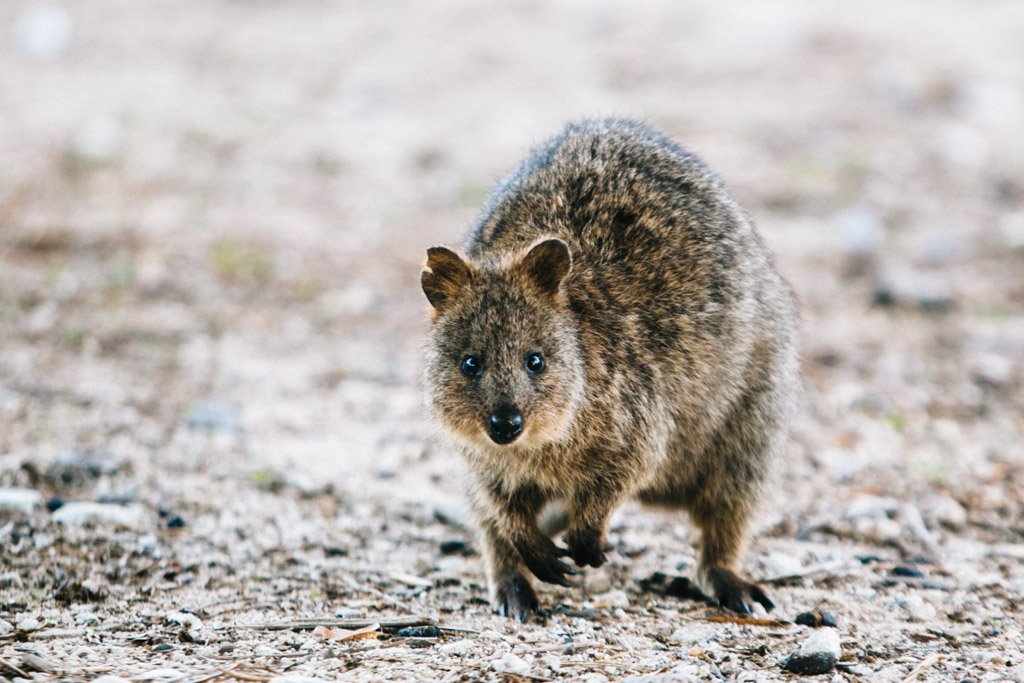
[[902, 570], [175, 522], [816, 619], [72, 592], [55, 503], [334, 551], [420, 632], [810, 664], [163, 647], [456, 548]]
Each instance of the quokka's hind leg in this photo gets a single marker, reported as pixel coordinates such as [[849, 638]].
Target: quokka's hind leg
[[723, 529], [510, 591], [734, 472]]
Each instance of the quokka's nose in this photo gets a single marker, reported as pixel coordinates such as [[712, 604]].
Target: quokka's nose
[[505, 424]]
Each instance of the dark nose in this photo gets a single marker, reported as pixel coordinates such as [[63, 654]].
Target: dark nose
[[505, 424]]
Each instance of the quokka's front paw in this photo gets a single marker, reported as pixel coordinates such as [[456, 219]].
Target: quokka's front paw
[[515, 598], [541, 556], [586, 547]]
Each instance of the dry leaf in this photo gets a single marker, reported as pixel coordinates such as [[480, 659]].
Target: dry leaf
[[340, 634]]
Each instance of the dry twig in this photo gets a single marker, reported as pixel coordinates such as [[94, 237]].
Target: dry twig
[[929, 661], [745, 621], [310, 624]]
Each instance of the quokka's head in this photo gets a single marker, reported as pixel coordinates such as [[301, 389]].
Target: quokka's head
[[503, 365]]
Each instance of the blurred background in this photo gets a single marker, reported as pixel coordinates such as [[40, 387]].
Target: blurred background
[[213, 216]]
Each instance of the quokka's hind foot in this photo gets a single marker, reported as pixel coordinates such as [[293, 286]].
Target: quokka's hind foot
[[736, 593], [515, 598]]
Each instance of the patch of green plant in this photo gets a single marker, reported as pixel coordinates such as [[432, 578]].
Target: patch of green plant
[[236, 261]]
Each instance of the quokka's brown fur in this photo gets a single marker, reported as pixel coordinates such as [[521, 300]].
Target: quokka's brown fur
[[668, 356]]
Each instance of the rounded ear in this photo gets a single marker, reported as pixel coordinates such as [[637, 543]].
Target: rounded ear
[[446, 274], [546, 264]]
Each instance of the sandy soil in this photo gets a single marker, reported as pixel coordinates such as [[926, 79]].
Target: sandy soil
[[212, 220]]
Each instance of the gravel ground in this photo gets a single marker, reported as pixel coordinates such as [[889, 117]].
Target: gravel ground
[[212, 220]]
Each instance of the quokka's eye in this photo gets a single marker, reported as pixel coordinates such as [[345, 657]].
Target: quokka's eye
[[472, 366], [534, 363]]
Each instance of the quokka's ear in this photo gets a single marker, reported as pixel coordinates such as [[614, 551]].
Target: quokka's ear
[[546, 264], [446, 274]]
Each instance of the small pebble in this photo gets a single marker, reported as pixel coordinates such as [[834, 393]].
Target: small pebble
[[163, 647], [816, 619], [902, 570], [175, 522], [926, 291], [818, 654], [55, 503], [349, 614], [121, 496], [6, 628], [215, 417], [455, 548]]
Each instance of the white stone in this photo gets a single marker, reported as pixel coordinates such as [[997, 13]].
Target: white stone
[[949, 512], [512, 665], [20, 498], [356, 299], [873, 507], [29, 624], [6, 628], [552, 662], [42, 318], [1011, 225], [919, 610], [458, 647], [779, 565], [184, 618], [87, 618], [615, 598], [43, 31], [860, 230], [669, 677], [821, 640], [79, 513], [159, 675], [97, 141]]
